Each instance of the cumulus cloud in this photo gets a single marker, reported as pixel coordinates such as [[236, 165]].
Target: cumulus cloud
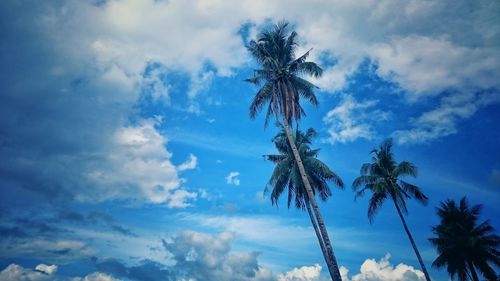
[[233, 178], [383, 270], [19, 273], [138, 163], [203, 256], [352, 120], [305, 273]]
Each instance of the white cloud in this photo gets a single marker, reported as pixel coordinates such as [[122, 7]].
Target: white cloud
[[305, 273], [426, 66], [153, 83], [97, 276], [443, 120], [383, 270], [189, 164], [15, 272], [201, 256], [47, 269], [351, 120], [233, 178], [139, 164], [401, 36], [177, 199]]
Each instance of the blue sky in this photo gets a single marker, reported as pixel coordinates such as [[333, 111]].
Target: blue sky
[[128, 152]]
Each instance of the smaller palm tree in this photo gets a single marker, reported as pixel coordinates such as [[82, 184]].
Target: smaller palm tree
[[382, 178], [463, 245], [286, 176]]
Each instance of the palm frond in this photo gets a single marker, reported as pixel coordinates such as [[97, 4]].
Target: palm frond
[[405, 168], [309, 68], [317, 172], [414, 191], [262, 96], [374, 204]]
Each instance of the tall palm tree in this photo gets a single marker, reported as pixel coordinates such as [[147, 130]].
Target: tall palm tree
[[465, 246], [281, 75], [382, 178], [286, 175]]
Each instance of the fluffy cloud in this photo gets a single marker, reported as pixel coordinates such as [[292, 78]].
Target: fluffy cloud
[[233, 178], [139, 164], [305, 273], [383, 270], [201, 256], [397, 37], [19, 273], [351, 120]]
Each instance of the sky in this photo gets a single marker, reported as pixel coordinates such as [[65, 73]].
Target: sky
[[128, 152]]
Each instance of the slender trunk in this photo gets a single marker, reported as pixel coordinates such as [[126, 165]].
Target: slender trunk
[[335, 273], [412, 242], [320, 239], [472, 271]]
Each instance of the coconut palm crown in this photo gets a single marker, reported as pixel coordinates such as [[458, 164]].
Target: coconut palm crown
[[464, 245], [281, 74], [286, 176], [382, 178]]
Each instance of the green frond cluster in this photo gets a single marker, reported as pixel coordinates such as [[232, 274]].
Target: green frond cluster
[[286, 175], [464, 244], [382, 178], [281, 74]]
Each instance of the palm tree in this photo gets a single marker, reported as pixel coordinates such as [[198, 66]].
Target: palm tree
[[463, 244], [286, 175], [382, 178], [283, 85]]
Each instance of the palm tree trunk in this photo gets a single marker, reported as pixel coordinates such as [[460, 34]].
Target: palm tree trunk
[[472, 271], [412, 241], [334, 272], [320, 239]]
